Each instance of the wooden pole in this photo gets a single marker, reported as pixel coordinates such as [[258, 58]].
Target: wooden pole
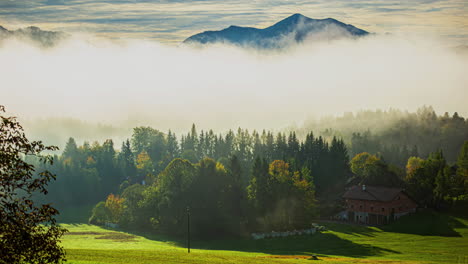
[[188, 229]]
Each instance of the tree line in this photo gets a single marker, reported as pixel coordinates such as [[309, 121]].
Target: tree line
[[237, 182], [395, 134], [88, 173]]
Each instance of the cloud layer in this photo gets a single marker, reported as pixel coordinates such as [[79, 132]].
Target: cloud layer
[[222, 87]]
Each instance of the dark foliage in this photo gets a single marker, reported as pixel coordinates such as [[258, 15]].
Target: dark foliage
[[28, 232], [243, 181]]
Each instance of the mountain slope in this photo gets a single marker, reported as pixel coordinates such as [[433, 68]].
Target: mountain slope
[[293, 29], [34, 34]]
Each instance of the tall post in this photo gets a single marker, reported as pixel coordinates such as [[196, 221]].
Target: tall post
[[188, 229]]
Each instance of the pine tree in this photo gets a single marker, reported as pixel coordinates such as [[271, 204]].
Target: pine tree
[[126, 161], [462, 163], [172, 146], [71, 149], [270, 146], [258, 190], [293, 151], [234, 195], [442, 185]]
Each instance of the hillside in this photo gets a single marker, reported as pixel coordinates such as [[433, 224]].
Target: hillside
[[294, 29]]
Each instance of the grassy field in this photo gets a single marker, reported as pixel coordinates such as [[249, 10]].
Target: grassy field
[[424, 238]]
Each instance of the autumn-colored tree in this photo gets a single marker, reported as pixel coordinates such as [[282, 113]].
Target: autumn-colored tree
[[361, 162], [280, 170], [413, 164], [370, 169], [144, 161], [115, 206], [144, 165], [304, 193]]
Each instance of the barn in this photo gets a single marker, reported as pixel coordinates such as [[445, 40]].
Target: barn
[[375, 205]]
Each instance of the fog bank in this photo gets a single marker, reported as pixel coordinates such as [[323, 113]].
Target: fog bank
[[223, 87]]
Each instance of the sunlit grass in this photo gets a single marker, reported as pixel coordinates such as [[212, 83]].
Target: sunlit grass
[[340, 244]]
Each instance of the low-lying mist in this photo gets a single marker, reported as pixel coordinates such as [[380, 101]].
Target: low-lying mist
[[129, 83]]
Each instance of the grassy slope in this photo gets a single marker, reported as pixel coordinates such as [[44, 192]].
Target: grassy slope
[[424, 238]]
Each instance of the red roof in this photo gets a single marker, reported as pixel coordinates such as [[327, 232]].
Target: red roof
[[372, 193]]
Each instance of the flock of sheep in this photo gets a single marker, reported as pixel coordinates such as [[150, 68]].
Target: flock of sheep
[[273, 234]]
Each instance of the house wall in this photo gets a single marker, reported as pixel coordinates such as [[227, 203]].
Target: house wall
[[376, 212]]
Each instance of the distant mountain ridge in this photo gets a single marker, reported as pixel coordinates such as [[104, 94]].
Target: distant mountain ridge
[[34, 34], [293, 29]]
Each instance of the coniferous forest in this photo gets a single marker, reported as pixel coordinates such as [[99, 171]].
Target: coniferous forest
[[240, 181]]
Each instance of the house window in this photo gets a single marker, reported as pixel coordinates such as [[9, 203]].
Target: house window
[[383, 209], [372, 208], [360, 207]]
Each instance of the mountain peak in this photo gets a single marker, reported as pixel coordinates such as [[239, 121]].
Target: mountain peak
[[296, 16], [293, 29], [34, 34], [293, 19]]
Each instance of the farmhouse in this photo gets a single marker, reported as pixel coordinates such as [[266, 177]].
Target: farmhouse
[[377, 205]]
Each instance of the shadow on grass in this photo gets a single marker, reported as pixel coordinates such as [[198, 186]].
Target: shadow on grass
[[351, 229], [427, 223], [318, 244]]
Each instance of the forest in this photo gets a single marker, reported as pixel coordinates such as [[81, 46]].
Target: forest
[[241, 182]]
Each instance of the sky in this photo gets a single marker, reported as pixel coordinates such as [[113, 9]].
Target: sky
[[145, 78], [173, 21]]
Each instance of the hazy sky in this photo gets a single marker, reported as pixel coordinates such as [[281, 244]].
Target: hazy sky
[[143, 81], [173, 21]]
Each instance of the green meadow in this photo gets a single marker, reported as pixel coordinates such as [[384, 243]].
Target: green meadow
[[423, 238]]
